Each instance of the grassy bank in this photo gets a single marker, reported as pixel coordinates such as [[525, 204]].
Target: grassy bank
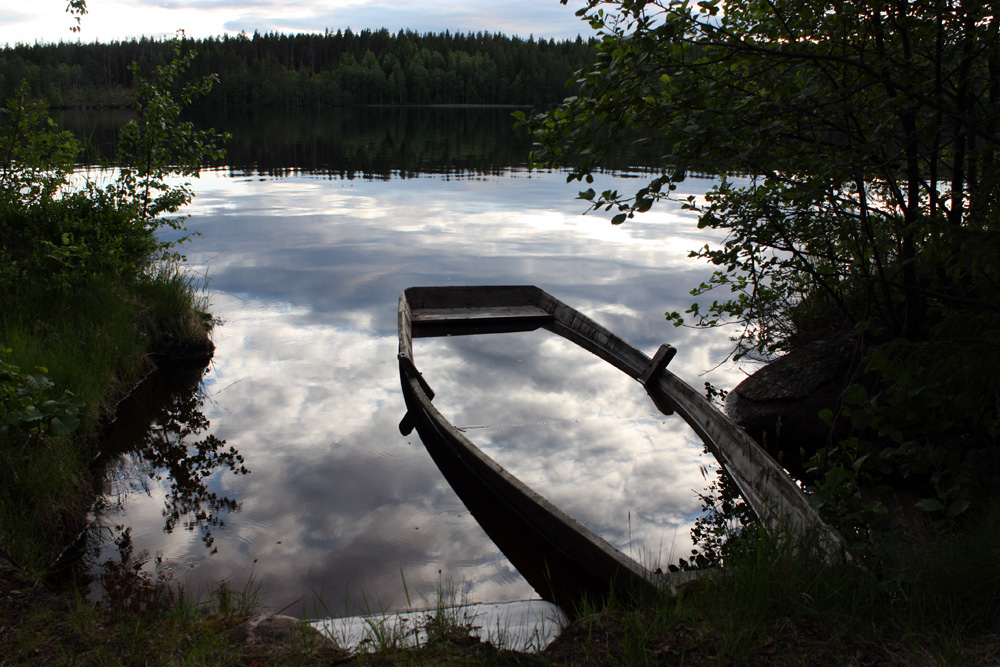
[[68, 356], [770, 605], [775, 605]]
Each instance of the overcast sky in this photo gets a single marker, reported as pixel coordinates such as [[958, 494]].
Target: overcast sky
[[29, 21]]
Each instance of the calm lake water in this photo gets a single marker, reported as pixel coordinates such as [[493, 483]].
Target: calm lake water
[[281, 465]]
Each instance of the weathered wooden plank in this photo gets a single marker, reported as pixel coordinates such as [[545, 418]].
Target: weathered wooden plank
[[488, 312], [464, 296]]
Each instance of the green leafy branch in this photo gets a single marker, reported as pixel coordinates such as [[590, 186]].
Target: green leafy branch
[[158, 145]]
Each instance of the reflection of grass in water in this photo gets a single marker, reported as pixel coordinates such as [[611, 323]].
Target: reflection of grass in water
[[389, 632], [448, 621], [648, 558]]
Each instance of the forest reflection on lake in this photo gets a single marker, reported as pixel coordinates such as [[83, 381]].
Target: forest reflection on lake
[[338, 512]]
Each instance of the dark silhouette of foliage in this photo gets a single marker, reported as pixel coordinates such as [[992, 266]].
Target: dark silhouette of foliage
[[869, 131]]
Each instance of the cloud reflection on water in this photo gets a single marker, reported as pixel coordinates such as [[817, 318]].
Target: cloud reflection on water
[[305, 273], [578, 431]]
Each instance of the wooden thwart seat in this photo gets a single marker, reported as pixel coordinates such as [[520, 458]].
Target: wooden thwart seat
[[490, 313], [460, 321]]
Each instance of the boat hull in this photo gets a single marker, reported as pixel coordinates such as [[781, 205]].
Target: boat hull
[[562, 559]]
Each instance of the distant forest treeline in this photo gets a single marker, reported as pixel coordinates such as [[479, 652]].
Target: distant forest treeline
[[331, 69]]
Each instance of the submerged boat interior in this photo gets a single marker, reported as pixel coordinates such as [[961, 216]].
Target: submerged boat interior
[[563, 560]]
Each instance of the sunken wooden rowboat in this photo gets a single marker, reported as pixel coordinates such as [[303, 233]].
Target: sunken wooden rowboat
[[561, 558]]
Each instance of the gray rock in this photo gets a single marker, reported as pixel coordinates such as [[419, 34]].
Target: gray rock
[[267, 632], [779, 405]]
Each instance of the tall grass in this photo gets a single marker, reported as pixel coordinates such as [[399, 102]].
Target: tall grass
[[775, 597], [175, 306]]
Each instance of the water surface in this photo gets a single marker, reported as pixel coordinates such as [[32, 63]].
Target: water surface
[[329, 510]]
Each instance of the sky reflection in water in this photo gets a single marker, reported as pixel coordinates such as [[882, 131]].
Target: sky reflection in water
[[339, 512]]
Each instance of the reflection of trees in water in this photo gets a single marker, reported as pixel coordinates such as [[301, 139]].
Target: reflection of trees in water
[[186, 466], [373, 143], [159, 439], [159, 436]]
